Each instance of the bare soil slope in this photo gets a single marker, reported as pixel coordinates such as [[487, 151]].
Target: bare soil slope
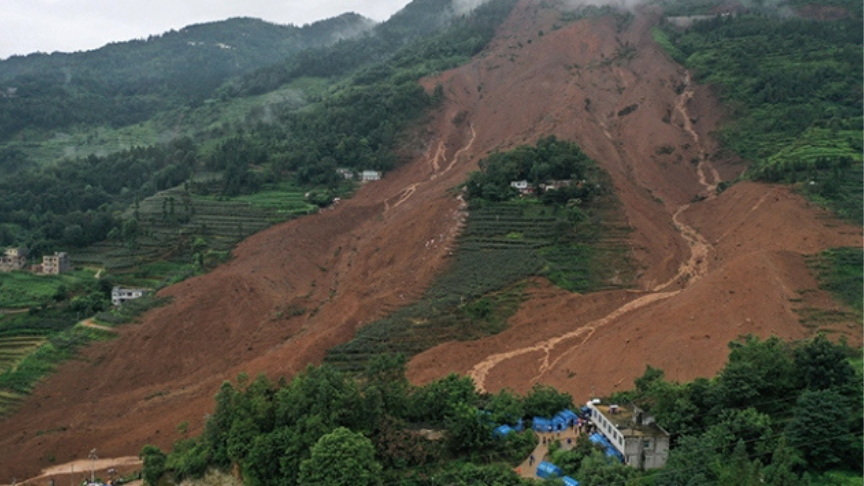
[[712, 270], [708, 271]]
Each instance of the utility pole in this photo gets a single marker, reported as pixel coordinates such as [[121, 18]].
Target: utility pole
[[92, 458]]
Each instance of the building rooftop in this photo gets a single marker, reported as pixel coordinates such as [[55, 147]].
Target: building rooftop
[[622, 418]]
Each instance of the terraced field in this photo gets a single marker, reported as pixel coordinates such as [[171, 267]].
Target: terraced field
[[171, 220], [501, 245], [15, 348], [9, 401]]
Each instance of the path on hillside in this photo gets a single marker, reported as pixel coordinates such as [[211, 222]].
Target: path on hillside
[[92, 325], [80, 468], [527, 469], [689, 271]]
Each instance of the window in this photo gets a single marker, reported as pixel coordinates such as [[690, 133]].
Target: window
[[646, 444]]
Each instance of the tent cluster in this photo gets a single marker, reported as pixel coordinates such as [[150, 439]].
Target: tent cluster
[[562, 420], [547, 470], [505, 429]]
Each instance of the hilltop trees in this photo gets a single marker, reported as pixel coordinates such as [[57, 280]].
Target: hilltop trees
[[776, 409], [326, 427], [341, 457]]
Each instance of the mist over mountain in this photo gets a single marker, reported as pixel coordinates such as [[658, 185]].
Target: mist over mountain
[[127, 82]]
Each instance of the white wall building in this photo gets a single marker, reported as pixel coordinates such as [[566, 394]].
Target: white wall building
[[633, 433], [370, 175], [120, 295]]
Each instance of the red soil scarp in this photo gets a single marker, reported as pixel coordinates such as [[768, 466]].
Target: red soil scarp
[[722, 267]]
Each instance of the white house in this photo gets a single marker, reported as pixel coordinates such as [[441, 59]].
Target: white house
[[633, 433], [346, 174], [120, 295], [521, 186], [370, 175]]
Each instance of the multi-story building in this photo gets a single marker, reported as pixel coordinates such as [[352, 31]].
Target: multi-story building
[[633, 433], [13, 259], [56, 264]]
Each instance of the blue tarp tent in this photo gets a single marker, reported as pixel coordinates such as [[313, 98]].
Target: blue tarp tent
[[568, 415], [547, 470], [598, 438], [502, 431], [568, 481], [564, 419], [520, 426], [541, 424]]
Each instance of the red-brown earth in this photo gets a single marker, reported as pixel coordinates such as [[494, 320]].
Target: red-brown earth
[[708, 272]]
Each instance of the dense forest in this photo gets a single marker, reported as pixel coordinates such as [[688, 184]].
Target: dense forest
[[778, 413], [127, 82], [794, 87]]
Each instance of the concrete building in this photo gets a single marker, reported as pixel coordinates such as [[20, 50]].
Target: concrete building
[[121, 295], [521, 186], [346, 174], [55, 264], [633, 433], [13, 259], [370, 175]]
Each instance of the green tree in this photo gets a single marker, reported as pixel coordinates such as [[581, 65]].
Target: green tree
[[468, 430], [570, 460], [599, 470], [784, 462], [462, 473], [760, 372], [341, 457], [822, 364], [739, 470], [386, 389], [505, 407], [440, 399], [545, 401], [154, 464], [746, 426], [820, 428]]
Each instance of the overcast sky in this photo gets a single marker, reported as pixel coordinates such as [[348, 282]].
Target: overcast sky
[[73, 25]]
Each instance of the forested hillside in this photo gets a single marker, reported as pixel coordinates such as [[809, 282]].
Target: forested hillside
[[778, 414], [354, 123], [128, 82], [794, 90]]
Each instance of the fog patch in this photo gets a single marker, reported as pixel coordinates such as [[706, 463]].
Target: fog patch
[[461, 7]]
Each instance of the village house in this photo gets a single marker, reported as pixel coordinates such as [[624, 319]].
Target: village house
[[346, 174], [555, 185], [633, 433], [121, 295], [53, 264], [13, 259], [370, 175], [522, 186]]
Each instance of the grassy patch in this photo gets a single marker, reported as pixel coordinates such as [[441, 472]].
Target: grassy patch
[[129, 311], [18, 380], [839, 271], [837, 478], [24, 289], [662, 39]]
